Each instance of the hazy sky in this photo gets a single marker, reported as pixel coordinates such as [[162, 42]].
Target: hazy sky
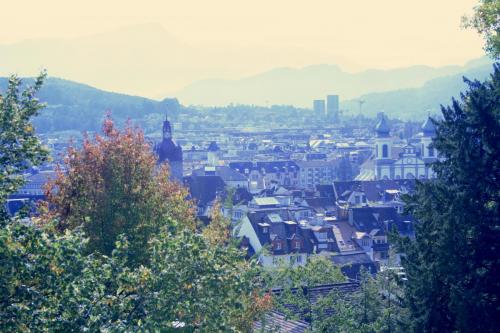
[[364, 33]]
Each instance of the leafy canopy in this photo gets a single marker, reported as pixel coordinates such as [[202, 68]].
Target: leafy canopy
[[113, 186], [486, 21], [20, 148]]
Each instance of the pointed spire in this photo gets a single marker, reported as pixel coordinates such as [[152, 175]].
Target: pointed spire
[[167, 129]]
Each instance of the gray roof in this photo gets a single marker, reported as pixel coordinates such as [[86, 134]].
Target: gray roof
[[373, 189], [275, 321], [204, 189], [282, 229], [268, 166], [224, 172], [351, 264], [314, 294], [266, 201]]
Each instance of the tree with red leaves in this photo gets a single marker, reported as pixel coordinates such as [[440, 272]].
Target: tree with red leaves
[[113, 186]]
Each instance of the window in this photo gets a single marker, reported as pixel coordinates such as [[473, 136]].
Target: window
[[385, 151], [297, 244], [299, 259], [277, 245], [322, 236], [431, 152], [357, 200], [264, 230], [322, 246]]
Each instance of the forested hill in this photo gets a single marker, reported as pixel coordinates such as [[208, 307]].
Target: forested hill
[[416, 103], [79, 107]]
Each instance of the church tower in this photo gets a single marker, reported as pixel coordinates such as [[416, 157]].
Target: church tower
[[383, 140], [167, 129], [170, 152], [428, 132], [383, 147], [427, 152]]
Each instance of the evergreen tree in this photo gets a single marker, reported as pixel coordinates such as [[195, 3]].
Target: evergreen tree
[[453, 263]]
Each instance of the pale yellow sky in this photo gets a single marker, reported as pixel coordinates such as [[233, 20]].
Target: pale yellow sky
[[359, 33]]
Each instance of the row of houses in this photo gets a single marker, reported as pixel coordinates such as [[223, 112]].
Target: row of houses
[[346, 221]]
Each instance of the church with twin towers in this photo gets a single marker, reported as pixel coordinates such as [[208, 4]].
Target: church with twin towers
[[411, 161]]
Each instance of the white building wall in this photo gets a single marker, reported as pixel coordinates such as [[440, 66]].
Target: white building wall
[[247, 230]]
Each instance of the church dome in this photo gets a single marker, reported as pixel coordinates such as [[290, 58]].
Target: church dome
[[382, 127], [428, 128], [213, 146]]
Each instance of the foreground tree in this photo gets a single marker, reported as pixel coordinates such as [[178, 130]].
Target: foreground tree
[[49, 284], [295, 282], [20, 148], [113, 186], [453, 265], [66, 282], [486, 21]]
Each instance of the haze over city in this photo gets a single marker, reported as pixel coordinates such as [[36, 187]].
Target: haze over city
[[162, 47], [265, 166]]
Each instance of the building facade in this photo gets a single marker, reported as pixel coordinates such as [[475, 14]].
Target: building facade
[[316, 172], [319, 107], [332, 108], [413, 162]]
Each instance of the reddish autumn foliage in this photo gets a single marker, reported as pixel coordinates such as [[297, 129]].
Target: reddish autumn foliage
[[113, 186]]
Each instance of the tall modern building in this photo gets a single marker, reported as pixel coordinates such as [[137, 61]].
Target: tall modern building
[[332, 108], [319, 107], [170, 152]]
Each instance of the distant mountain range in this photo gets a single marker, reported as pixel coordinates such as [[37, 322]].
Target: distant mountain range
[[300, 86], [145, 60], [408, 93]]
